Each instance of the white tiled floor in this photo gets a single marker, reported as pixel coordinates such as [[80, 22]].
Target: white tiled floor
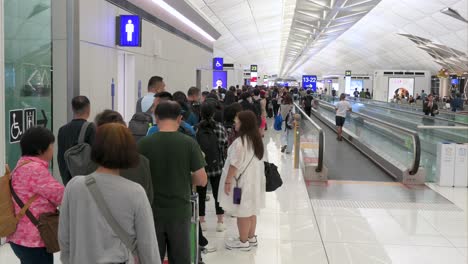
[[291, 231]]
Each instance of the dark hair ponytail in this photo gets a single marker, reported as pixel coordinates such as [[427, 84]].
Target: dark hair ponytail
[[207, 112]]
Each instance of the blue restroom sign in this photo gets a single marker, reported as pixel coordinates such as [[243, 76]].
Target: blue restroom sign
[[309, 82], [129, 31], [218, 64]]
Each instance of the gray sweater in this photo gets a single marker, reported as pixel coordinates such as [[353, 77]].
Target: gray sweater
[[85, 236]]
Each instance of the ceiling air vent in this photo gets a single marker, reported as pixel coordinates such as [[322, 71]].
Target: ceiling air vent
[[409, 73], [398, 73], [419, 73], [388, 73]]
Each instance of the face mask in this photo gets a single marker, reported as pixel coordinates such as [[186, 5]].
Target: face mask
[[249, 99]]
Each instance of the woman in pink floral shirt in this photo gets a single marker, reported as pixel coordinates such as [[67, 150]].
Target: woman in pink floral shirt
[[32, 177]]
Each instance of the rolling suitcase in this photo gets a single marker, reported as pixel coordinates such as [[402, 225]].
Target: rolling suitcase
[[194, 247]]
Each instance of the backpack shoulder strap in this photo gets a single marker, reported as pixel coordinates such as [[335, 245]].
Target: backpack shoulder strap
[[102, 206], [83, 130], [138, 105], [24, 207]]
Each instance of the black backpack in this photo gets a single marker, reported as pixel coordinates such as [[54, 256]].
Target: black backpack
[[139, 124], [208, 141], [258, 110]]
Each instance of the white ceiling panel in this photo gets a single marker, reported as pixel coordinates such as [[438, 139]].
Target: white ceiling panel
[[293, 37]]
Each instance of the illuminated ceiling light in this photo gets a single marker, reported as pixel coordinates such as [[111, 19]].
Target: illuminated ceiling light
[[183, 19], [341, 24], [359, 3], [303, 30], [309, 14], [344, 3], [351, 15], [300, 35], [318, 4], [304, 23]]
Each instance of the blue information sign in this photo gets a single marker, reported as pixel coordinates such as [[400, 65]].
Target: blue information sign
[[128, 31], [218, 64], [309, 82]]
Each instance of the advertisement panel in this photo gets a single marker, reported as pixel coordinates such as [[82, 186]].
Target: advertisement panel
[[402, 87], [359, 84], [219, 79]]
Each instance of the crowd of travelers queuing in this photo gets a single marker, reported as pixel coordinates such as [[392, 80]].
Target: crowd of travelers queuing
[[136, 204], [145, 174]]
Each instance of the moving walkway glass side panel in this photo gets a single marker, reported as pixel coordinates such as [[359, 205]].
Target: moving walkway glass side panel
[[417, 108], [429, 138], [389, 143], [311, 140]]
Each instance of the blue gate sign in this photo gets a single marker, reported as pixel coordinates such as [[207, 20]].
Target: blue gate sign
[[129, 31], [309, 82]]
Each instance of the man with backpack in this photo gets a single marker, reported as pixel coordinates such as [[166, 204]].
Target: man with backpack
[[69, 134], [143, 118], [155, 85], [307, 102]]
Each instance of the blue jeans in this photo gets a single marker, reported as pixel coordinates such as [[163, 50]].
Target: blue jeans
[[29, 255], [288, 139]]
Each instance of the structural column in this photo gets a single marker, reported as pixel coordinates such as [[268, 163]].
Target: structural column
[[444, 87]]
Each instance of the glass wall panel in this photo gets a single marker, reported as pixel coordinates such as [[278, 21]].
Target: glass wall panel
[[28, 68]]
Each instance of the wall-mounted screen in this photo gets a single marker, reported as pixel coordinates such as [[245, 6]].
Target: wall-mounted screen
[[219, 79], [403, 87], [355, 84]]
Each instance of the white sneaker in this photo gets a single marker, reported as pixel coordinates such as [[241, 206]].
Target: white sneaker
[[203, 226], [237, 244], [220, 227], [253, 241], [209, 248]]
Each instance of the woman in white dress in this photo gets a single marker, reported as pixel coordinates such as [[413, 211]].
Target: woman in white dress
[[244, 173]]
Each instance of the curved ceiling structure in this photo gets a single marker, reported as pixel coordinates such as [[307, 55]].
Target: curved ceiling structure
[[291, 38]]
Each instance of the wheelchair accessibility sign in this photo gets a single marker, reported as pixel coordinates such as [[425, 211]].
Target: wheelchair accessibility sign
[[20, 121], [16, 125]]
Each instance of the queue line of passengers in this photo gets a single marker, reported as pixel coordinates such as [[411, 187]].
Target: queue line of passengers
[[154, 210]]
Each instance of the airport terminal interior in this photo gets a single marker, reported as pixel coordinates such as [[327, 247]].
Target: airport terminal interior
[[329, 131]]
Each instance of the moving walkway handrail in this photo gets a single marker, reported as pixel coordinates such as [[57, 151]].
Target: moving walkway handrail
[[412, 113], [417, 143], [321, 138]]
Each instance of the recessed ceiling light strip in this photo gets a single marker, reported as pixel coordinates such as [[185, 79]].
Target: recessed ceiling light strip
[[183, 19]]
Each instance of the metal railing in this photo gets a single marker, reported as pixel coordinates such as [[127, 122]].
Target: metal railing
[[416, 141], [321, 137]]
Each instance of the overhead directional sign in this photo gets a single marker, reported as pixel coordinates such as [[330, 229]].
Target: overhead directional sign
[[309, 82], [347, 73], [218, 64]]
